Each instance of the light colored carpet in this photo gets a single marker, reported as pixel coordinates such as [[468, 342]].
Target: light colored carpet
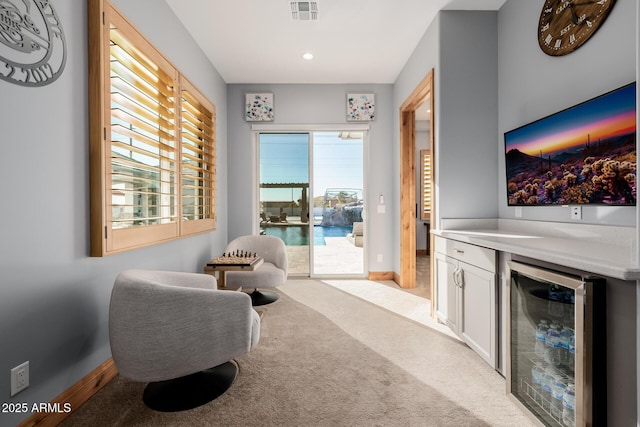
[[390, 297], [327, 358]]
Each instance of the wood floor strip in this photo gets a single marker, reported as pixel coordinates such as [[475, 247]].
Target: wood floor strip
[[72, 398], [380, 275]]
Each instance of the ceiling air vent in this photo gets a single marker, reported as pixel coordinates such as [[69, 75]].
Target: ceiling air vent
[[304, 10]]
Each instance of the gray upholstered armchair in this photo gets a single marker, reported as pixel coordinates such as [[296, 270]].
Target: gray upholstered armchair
[[272, 273], [179, 333]]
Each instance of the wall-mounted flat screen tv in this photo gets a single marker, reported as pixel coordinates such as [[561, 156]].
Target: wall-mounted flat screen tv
[[585, 154]]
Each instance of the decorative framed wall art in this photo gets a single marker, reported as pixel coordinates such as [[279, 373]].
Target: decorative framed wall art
[[258, 107], [33, 50], [360, 107]]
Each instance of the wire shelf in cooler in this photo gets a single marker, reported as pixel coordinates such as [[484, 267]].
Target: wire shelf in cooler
[[538, 400]]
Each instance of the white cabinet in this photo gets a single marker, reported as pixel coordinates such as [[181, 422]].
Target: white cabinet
[[446, 290], [478, 311], [466, 301]]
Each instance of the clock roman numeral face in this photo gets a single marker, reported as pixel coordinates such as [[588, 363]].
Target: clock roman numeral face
[[565, 25]]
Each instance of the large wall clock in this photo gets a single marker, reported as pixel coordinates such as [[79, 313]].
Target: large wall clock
[[565, 25]]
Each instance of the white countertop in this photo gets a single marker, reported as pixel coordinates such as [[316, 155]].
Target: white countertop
[[601, 250]]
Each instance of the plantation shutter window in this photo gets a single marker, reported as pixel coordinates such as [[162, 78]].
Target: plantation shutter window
[[152, 137], [425, 178], [142, 141], [198, 158]]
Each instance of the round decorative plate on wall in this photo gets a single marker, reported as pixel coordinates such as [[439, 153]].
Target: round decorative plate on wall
[[32, 43], [566, 25]]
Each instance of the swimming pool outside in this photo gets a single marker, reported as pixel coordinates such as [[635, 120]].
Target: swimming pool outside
[[298, 235]]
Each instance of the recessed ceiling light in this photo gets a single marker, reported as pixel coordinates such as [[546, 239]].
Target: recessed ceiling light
[[308, 56]]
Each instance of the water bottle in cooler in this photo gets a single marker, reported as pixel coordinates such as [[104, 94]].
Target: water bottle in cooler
[[569, 406], [572, 348], [565, 335], [557, 392], [552, 344], [541, 336], [556, 298], [555, 293], [570, 297], [545, 384], [541, 329], [537, 372]]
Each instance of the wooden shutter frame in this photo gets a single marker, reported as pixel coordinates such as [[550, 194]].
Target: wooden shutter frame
[[106, 240], [426, 180]]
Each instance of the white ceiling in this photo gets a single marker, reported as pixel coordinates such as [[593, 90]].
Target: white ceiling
[[353, 41]]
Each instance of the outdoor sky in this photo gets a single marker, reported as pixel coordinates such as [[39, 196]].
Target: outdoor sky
[[284, 158], [603, 117]]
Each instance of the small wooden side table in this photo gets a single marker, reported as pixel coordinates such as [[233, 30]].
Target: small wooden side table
[[224, 264]]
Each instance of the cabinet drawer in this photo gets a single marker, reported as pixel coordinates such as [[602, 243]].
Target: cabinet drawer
[[466, 252]]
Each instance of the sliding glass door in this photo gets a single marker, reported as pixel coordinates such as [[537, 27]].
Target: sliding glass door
[[284, 194], [338, 203], [311, 196]]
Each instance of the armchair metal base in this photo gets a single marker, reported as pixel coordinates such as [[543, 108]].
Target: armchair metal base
[[263, 298], [191, 391]]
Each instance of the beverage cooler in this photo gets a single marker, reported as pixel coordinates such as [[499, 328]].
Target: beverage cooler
[[556, 345]]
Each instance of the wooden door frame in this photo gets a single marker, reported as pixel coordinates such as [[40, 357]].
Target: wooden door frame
[[407, 276]]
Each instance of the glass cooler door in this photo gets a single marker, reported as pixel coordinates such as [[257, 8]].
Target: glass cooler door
[[549, 342]]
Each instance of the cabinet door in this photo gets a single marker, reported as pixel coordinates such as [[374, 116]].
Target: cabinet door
[[446, 291], [477, 319]]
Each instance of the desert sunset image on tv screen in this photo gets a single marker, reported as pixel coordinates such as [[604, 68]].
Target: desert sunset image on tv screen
[[585, 154]]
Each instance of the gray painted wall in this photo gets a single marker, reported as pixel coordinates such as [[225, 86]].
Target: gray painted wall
[[54, 298], [461, 47], [423, 59], [466, 163], [534, 85], [300, 104]]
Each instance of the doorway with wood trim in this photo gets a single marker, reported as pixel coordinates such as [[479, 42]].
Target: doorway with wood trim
[[409, 213]]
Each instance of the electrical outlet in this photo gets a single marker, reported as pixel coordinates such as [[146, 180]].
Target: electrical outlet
[[576, 212], [379, 257], [19, 378]]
